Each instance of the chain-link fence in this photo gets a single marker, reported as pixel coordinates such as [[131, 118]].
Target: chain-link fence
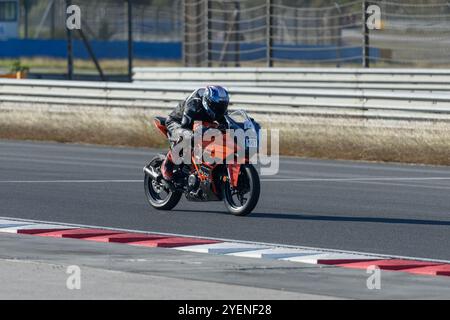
[[414, 33], [103, 19], [292, 33], [43, 36], [411, 33]]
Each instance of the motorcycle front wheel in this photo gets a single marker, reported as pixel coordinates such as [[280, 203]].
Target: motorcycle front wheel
[[241, 200], [157, 195]]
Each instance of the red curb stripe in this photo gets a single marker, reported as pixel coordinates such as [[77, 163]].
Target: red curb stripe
[[341, 262], [125, 237], [165, 241], [36, 231], [76, 233], [438, 270], [85, 234], [172, 242], [391, 264]]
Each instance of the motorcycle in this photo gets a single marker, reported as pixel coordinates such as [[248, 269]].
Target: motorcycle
[[236, 183]]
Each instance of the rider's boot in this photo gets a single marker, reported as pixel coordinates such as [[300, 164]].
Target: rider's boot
[[167, 167]]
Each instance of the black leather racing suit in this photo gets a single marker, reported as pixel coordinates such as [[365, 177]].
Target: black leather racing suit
[[186, 112], [180, 123]]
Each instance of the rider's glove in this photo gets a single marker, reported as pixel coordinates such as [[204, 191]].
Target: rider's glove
[[184, 135]]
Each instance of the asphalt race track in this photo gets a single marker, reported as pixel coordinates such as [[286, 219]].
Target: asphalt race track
[[378, 208]]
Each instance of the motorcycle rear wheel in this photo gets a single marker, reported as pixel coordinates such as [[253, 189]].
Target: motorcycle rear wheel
[[157, 195], [248, 188]]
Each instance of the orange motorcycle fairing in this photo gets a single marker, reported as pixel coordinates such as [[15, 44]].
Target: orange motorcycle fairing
[[214, 174], [220, 151], [160, 124], [233, 172]]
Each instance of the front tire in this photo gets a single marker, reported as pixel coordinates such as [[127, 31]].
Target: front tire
[[248, 188], [157, 195]]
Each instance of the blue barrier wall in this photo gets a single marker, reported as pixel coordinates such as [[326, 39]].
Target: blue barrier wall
[[15, 48], [255, 51]]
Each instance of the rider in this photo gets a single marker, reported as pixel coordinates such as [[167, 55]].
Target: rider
[[204, 104]]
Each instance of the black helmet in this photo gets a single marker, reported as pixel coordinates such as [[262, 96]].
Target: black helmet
[[215, 101]]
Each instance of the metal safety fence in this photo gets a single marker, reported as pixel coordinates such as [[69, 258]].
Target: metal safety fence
[[365, 104], [103, 19], [380, 79], [339, 33], [335, 33]]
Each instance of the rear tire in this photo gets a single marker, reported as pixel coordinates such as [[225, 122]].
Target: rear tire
[[249, 179], [153, 189]]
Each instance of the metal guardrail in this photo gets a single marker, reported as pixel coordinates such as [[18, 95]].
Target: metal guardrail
[[384, 71], [338, 85], [341, 103], [410, 80]]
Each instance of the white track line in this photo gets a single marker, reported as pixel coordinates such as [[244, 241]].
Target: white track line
[[72, 181], [356, 179], [387, 179], [325, 250], [404, 185]]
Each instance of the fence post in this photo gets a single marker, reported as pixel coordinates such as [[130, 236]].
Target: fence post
[[52, 20], [25, 7], [130, 39], [237, 35], [208, 33], [365, 30], [69, 46], [338, 34], [269, 33], [184, 30]]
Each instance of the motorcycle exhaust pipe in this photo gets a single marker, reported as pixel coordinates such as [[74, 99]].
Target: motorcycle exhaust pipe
[[151, 172]]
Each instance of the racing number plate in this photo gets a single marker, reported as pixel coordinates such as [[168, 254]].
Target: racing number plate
[[251, 143]]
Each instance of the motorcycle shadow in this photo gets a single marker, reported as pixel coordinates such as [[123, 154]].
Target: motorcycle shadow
[[224, 212], [340, 218]]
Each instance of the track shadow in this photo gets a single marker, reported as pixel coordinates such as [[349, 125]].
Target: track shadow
[[295, 216], [310, 217], [203, 211]]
